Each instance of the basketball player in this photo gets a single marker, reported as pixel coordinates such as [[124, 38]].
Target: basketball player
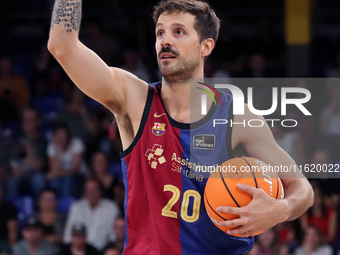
[[164, 206]]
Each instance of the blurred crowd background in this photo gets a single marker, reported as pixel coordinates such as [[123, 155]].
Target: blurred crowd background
[[60, 176]]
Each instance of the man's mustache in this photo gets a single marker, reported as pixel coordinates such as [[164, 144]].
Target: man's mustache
[[168, 49]]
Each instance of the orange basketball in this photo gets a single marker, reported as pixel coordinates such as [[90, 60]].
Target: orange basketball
[[221, 189]]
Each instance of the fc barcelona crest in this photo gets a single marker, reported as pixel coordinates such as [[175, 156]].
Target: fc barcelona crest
[[158, 129]]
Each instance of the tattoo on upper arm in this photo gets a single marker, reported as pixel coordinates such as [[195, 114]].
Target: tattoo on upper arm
[[67, 12]]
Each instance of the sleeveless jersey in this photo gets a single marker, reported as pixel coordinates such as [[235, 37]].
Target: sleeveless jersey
[[164, 205]]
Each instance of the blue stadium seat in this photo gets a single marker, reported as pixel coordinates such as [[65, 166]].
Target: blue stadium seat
[[25, 208], [64, 204], [48, 106], [24, 66]]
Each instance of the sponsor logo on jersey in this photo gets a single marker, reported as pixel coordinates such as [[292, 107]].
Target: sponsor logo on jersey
[[206, 142], [158, 116], [154, 156], [184, 166], [158, 129]]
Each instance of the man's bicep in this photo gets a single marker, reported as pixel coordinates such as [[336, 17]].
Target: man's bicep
[[260, 143], [278, 160]]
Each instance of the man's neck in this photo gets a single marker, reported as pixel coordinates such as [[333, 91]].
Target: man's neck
[[77, 248], [176, 99], [48, 210], [33, 247], [32, 135], [181, 100], [94, 204]]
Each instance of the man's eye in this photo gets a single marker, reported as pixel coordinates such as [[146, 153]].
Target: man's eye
[[160, 33], [179, 32]]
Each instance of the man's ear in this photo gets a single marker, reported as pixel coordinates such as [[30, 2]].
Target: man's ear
[[207, 46]]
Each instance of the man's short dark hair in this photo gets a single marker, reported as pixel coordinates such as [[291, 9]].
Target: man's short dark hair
[[108, 247], [63, 126], [49, 190], [92, 179], [31, 108], [206, 24]]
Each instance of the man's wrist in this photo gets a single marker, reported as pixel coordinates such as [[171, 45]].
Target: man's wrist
[[285, 210]]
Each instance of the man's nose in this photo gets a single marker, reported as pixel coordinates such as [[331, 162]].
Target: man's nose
[[167, 40]]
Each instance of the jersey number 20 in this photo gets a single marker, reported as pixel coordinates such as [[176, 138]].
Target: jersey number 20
[[166, 211]]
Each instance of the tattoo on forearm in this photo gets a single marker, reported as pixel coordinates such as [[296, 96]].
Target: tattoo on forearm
[[67, 12]]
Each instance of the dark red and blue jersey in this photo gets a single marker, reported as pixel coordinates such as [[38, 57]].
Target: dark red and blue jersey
[[164, 207]]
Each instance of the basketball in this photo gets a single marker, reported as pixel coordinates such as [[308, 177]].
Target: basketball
[[221, 188]]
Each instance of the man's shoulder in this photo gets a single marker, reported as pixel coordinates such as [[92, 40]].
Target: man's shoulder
[[81, 201], [65, 249], [91, 250], [109, 203], [20, 245], [79, 204], [325, 249], [45, 245], [76, 142], [82, 204]]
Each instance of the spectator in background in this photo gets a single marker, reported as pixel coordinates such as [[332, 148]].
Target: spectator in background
[[330, 122], [268, 244], [5, 249], [52, 221], [107, 139], [291, 142], [78, 245], [319, 215], [211, 70], [78, 118], [13, 87], [133, 63], [263, 88], [30, 125], [111, 250], [10, 114], [66, 162], [307, 127], [288, 233], [272, 46], [8, 224], [97, 213], [329, 181], [52, 81], [105, 47], [7, 150], [28, 165], [230, 54], [313, 243], [257, 66], [119, 229], [335, 73], [100, 172], [32, 242]]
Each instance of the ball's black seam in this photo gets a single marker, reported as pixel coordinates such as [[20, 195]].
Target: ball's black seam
[[277, 181], [225, 185], [206, 199], [251, 172]]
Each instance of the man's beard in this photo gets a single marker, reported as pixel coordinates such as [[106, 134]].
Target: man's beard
[[181, 72]]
